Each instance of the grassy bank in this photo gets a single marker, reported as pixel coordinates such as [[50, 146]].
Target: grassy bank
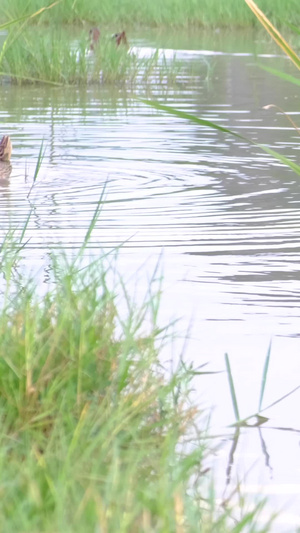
[[154, 13], [94, 435]]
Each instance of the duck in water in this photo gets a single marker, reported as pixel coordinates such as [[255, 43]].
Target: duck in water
[[94, 35], [5, 148], [121, 38]]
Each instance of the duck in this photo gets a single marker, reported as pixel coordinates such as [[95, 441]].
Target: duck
[[121, 38], [94, 36], [5, 148]]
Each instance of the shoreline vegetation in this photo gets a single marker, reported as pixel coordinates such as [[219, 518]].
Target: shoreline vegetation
[[151, 13], [50, 55], [53, 57], [95, 434]]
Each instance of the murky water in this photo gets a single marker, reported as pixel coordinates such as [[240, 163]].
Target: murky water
[[225, 214]]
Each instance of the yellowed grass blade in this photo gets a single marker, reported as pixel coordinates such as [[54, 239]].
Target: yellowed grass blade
[[28, 17], [9, 40], [275, 34], [44, 9], [285, 114]]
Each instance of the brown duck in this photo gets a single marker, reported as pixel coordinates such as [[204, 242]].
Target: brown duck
[[94, 35], [5, 148], [121, 38]]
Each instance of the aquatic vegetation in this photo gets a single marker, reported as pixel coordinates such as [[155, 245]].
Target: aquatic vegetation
[[95, 434], [51, 57], [130, 13]]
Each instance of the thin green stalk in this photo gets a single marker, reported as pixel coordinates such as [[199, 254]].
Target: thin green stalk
[[232, 389], [37, 167], [187, 116], [93, 222], [264, 377], [283, 75]]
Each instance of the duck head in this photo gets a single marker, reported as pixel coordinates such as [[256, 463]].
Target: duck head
[[121, 38]]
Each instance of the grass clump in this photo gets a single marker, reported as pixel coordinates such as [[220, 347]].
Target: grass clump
[[94, 436], [154, 13], [51, 57]]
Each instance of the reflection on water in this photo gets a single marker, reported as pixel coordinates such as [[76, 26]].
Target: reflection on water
[[225, 213], [5, 172]]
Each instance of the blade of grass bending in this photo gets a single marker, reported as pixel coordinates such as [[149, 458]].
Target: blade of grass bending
[[281, 158], [37, 167], [247, 521], [93, 221], [279, 74], [282, 398], [9, 41], [196, 120], [188, 116], [270, 106], [264, 377], [232, 389], [25, 226], [28, 17], [275, 34]]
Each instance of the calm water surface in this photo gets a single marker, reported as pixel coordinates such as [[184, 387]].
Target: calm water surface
[[225, 214]]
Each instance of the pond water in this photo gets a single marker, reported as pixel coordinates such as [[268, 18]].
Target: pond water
[[220, 215]]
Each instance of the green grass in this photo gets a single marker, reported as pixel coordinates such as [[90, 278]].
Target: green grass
[[154, 13], [49, 55], [52, 57], [95, 435]]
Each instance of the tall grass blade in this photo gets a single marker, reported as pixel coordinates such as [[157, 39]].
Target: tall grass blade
[[275, 34], [280, 74], [37, 167], [25, 226], [264, 377], [201, 122], [246, 523], [45, 8], [12, 37], [188, 116], [282, 398], [93, 222], [281, 158], [232, 389], [5, 25]]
